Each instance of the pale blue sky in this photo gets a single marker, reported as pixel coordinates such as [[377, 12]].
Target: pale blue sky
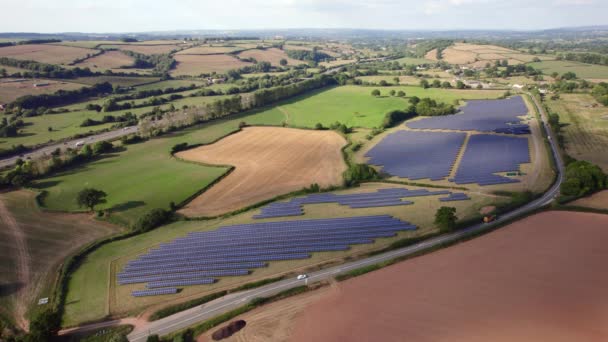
[[154, 15]]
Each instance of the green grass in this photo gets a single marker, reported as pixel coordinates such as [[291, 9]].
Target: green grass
[[169, 84], [581, 70], [145, 176], [124, 81], [355, 106], [412, 60]]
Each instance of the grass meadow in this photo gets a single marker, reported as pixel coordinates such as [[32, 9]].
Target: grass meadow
[[582, 70]]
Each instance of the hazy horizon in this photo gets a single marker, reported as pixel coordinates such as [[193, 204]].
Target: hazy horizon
[[141, 16]]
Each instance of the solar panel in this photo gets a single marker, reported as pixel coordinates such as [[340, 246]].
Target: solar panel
[[500, 116], [157, 292]]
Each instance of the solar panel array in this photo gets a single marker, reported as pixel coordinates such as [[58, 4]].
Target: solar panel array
[[380, 198], [500, 116], [455, 197], [199, 257], [417, 155], [489, 154]]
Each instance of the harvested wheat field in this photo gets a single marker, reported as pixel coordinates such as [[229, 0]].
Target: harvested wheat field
[[273, 56], [205, 64], [209, 50], [107, 60], [268, 161], [540, 279], [149, 49], [598, 200], [44, 53], [12, 89]]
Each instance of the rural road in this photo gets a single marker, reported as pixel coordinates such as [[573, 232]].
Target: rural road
[[207, 311], [71, 143]]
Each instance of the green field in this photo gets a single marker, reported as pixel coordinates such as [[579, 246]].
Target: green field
[[89, 298], [355, 106], [582, 70], [122, 81], [145, 176]]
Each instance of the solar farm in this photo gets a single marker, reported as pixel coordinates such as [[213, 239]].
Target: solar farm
[[381, 198], [423, 152], [201, 257]]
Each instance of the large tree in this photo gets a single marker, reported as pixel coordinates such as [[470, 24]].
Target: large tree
[[89, 198], [445, 218]]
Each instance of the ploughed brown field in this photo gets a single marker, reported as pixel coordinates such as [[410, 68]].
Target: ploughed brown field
[[272, 55], [268, 161], [599, 200], [205, 64], [46, 53], [540, 279]]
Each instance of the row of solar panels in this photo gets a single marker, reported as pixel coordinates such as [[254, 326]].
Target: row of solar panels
[[361, 200], [201, 257], [404, 154]]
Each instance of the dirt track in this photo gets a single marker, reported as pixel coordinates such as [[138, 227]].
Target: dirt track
[[268, 161], [541, 279]]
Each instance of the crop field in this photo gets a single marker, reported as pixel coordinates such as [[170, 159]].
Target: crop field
[[586, 71], [504, 296], [12, 89], [170, 84], [44, 53], [205, 64], [336, 63], [107, 61], [272, 55], [268, 161], [478, 55], [133, 187], [585, 127], [355, 106], [598, 200], [209, 50], [33, 246], [152, 49], [88, 294], [88, 44]]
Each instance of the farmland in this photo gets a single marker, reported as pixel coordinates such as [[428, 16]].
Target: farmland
[[33, 246], [151, 49], [586, 71], [194, 65], [303, 158], [273, 56], [209, 50], [508, 296], [479, 55], [11, 89], [107, 61], [354, 106], [44, 53], [92, 277], [585, 127]]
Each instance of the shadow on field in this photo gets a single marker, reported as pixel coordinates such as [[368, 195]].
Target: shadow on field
[[46, 184], [127, 205], [10, 288]]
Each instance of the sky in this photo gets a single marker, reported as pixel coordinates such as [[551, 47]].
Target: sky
[[113, 16]]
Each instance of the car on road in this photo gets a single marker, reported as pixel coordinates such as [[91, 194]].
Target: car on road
[[302, 277]]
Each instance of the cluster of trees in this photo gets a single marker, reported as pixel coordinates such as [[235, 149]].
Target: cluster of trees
[[359, 172], [308, 55], [583, 178], [60, 97], [585, 57], [161, 63], [141, 94], [336, 126], [394, 117], [10, 128], [600, 92], [249, 69], [425, 46], [25, 171], [30, 41], [44, 70], [112, 105], [510, 70], [435, 84], [429, 107], [128, 119], [13, 150]]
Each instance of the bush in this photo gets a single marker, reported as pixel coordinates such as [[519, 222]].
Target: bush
[[445, 218], [359, 172], [583, 178], [395, 116], [179, 147], [102, 147], [154, 218]]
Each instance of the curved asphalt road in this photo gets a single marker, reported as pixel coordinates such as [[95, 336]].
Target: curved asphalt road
[[207, 311], [71, 143]]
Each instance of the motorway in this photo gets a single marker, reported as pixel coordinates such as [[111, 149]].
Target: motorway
[[46, 150], [207, 311]]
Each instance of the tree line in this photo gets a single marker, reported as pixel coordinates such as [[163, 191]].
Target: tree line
[[60, 97]]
